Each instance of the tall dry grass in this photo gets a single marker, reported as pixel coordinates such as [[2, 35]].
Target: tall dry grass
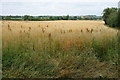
[[59, 49]]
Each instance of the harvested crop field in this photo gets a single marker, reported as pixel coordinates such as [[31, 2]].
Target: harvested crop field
[[55, 49]]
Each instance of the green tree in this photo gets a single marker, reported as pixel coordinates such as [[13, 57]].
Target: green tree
[[107, 12], [67, 17], [27, 17], [8, 17], [111, 16], [119, 17], [112, 20]]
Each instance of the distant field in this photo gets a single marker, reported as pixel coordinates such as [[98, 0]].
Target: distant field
[[58, 29], [54, 49]]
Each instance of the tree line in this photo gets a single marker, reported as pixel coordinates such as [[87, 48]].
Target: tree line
[[48, 18], [111, 16]]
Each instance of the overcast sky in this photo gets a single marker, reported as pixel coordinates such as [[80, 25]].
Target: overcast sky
[[55, 7]]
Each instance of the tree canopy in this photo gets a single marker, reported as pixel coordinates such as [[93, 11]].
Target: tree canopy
[[111, 16]]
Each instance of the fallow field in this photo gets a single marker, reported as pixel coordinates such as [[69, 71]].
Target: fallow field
[[59, 49]]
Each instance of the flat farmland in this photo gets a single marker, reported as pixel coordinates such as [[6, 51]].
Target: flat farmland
[[55, 49]]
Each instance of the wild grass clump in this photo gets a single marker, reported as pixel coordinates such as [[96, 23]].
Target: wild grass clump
[[106, 50], [52, 61]]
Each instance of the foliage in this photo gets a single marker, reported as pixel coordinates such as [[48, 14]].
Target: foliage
[[119, 17], [27, 17], [110, 16], [113, 20], [48, 18]]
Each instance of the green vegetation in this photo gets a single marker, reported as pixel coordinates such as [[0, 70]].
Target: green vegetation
[[48, 18], [119, 17], [111, 16], [26, 60]]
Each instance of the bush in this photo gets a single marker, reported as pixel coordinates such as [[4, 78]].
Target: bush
[[110, 16], [113, 20]]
